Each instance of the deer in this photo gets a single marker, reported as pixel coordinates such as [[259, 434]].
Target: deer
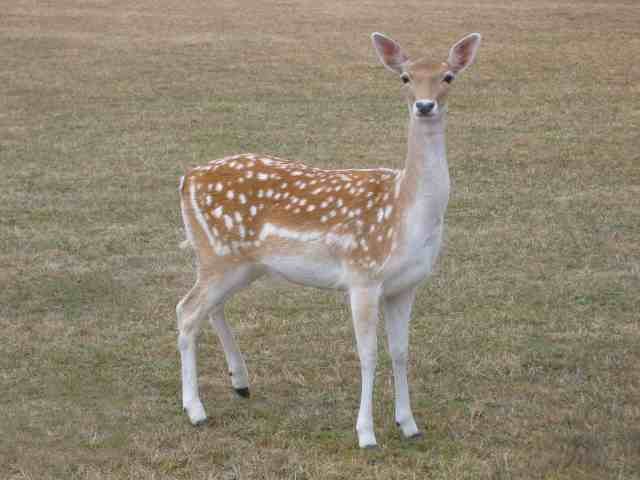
[[373, 233]]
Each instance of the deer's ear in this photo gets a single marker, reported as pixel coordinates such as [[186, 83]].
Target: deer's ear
[[389, 52], [463, 52]]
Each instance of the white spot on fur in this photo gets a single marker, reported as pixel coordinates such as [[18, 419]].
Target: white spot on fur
[[217, 212], [253, 210], [230, 194], [346, 242], [270, 229]]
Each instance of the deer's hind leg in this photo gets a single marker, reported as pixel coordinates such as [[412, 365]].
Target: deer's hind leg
[[205, 298], [235, 361]]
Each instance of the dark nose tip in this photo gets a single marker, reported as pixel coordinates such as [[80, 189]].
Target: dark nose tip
[[425, 107]]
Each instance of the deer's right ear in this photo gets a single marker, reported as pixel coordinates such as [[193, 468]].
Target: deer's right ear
[[389, 52]]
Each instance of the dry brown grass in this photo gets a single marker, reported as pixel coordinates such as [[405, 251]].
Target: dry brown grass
[[525, 346]]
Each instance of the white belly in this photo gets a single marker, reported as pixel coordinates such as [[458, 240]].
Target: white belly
[[312, 272]]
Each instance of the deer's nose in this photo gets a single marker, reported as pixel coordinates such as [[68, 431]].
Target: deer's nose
[[424, 107]]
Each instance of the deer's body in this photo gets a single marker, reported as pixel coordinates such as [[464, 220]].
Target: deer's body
[[374, 233], [321, 228]]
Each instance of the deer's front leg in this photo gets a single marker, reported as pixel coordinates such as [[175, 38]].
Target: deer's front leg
[[397, 314], [364, 309]]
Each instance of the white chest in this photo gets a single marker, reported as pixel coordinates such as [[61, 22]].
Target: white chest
[[414, 264]]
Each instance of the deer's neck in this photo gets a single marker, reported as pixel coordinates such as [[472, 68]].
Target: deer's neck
[[426, 180]]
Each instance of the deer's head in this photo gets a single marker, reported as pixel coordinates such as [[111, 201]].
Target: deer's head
[[426, 83]]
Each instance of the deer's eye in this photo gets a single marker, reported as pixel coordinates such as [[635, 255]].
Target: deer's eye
[[448, 77], [405, 78]]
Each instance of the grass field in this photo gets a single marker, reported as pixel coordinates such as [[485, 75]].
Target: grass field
[[525, 345]]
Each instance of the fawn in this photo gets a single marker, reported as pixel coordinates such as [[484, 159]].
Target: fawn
[[374, 233]]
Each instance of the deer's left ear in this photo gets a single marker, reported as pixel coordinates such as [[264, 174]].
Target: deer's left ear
[[463, 53]]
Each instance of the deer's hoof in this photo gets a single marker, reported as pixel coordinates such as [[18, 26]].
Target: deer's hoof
[[196, 413], [243, 392], [201, 423]]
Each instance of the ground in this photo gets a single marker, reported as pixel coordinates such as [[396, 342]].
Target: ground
[[525, 345]]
